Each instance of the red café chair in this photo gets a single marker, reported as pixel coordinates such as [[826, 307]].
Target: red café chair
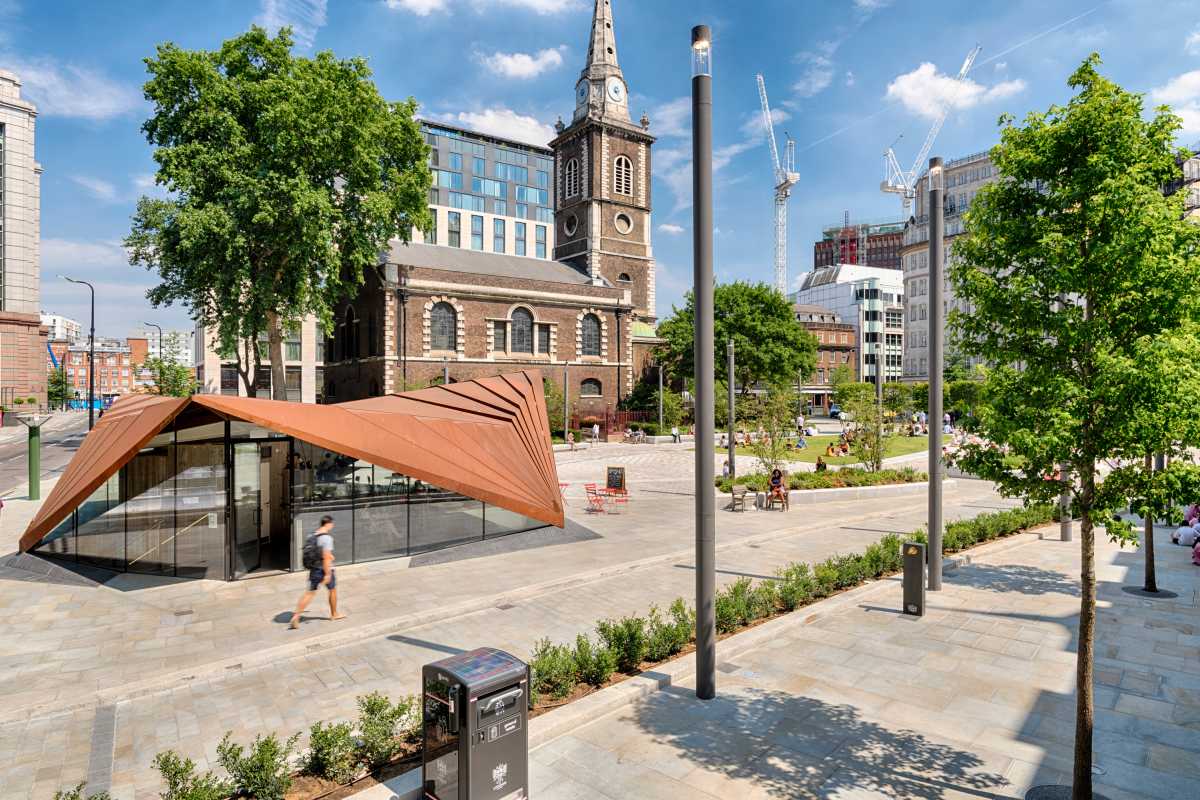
[[595, 498]]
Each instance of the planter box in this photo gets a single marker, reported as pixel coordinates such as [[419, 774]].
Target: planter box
[[810, 496]]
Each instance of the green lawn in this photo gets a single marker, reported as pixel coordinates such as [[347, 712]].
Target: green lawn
[[896, 446]]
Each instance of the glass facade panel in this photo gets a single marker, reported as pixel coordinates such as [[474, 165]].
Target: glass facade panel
[[380, 513], [322, 483], [150, 510], [499, 522], [438, 518], [200, 510], [100, 526], [292, 377]]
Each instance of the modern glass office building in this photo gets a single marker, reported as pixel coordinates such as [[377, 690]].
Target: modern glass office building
[[489, 194], [222, 488]]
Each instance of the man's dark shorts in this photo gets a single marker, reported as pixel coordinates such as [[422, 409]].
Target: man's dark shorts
[[315, 576]]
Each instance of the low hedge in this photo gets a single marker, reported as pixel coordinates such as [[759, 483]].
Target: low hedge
[[830, 479], [558, 671]]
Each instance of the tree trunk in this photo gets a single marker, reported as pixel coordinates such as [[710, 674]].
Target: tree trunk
[[275, 352], [1081, 788], [247, 368], [1150, 584]]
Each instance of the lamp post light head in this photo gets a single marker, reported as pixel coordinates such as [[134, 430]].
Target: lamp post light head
[[701, 51], [936, 173]]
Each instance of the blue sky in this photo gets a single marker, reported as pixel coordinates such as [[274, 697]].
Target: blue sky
[[846, 77]]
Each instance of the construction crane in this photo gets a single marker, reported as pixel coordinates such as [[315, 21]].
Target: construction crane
[[785, 178], [903, 183]]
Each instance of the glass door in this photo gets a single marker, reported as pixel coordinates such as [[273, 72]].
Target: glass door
[[247, 508]]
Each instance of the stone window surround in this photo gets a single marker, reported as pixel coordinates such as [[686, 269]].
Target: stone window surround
[[507, 353], [427, 350], [603, 357]]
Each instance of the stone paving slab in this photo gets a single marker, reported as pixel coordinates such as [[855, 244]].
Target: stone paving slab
[[867, 703], [230, 664]]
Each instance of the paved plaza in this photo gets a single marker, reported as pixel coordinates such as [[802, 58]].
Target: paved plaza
[[975, 700], [99, 678]]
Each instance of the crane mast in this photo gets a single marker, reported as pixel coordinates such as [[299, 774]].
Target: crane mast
[[895, 179], [785, 178]]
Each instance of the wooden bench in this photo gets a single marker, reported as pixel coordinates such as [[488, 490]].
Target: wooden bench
[[781, 499], [738, 494]]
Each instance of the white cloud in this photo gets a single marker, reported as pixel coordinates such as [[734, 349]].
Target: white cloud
[[99, 188], [1182, 93], [68, 254], [1192, 43], [503, 122], [925, 91], [753, 127], [871, 5], [68, 90], [1000, 66], [850, 79], [673, 118], [523, 66], [422, 8], [817, 75], [672, 229], [305, 17]]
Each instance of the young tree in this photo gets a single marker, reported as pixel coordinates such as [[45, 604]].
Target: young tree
[[287, 177], [777, 419], [171, 378], [57, 390], [771, 346], [870, 433], [1078, 273]]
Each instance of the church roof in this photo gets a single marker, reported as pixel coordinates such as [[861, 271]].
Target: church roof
[[457, 259]]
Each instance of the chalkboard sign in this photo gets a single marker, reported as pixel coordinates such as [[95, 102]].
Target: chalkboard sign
[[616, 478]]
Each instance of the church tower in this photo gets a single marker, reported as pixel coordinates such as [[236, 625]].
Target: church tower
[[602, 177]]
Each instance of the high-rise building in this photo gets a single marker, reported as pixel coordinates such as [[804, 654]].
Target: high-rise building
[[22, 337], [870, 299], [489, 194], [60, 328], [872, 244], [964, 178]]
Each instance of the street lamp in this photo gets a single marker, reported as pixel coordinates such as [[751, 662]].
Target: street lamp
[[702, 233], [936, 314], [566, 400], [660, 401], [91, 354], [445, 370], [152, 325]]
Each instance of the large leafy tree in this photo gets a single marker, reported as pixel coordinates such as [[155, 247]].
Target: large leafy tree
[[1079, 276], [286, 177], [771, 346]]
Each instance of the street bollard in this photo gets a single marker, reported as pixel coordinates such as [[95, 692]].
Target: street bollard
[[914, 578]]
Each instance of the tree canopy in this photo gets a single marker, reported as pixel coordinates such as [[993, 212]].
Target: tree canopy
[[1079, 276], [771, 346], [286, 176]]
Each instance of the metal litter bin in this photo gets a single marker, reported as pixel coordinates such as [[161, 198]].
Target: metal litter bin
[[914, 578], [475, 715]]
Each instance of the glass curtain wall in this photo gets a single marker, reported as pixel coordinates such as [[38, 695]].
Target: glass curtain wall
[[379, 513]]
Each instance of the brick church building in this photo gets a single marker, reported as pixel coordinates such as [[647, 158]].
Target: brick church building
[[470, 300]]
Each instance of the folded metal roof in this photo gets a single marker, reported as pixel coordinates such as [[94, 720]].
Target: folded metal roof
[[487, 439]]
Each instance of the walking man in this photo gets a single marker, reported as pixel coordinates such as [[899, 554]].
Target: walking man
[[675, 434], [595, 433], [318, 560]]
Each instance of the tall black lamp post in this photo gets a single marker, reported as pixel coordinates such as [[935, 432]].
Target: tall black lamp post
[[91, 354], [702, 230], [936, 317]]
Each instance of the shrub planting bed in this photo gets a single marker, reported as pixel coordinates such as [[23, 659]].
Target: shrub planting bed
[[832, 479], [623, 648], [344, 758]]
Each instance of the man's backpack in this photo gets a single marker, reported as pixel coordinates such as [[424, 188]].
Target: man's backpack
[[311, 556]]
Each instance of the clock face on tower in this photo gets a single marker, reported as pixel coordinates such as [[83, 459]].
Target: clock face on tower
[[616, 90], [581, 93]]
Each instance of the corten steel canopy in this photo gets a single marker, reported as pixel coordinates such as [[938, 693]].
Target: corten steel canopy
[[487, 439]]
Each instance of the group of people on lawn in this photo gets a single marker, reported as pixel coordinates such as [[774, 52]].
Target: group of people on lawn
[[1188, 534]]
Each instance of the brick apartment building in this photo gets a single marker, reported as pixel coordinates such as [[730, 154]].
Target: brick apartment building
[[117, 366], [836, 345]]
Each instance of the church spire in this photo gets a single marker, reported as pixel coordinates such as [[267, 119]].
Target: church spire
[[602, 50]]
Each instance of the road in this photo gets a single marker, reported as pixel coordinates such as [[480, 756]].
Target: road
[[61, 437]]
